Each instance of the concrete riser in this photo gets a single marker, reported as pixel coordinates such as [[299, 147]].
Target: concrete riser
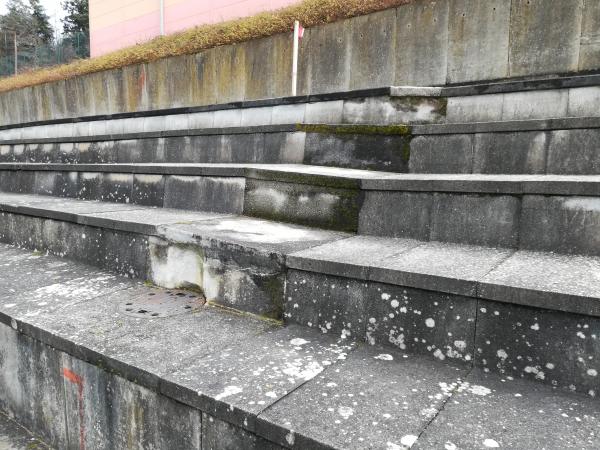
[[565, 152], [72, 404], [357, 151], [236, 277], [557, 348], [532, 222]]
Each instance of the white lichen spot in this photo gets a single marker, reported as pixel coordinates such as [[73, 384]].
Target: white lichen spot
[[592, 372], [408, 440], [439, 354], [550, 366], [430, 322], [490, 443], [535, 327], [477, 389], [384, 357], [228, 391], [385, 296], [450, 446], [502, 354], [395, 303], [345, 412], [271, 394], [298, 342], [580, 335], [290, 438]]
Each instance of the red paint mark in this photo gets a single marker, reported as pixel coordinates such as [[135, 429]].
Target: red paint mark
[[77, 380], [142, 80]]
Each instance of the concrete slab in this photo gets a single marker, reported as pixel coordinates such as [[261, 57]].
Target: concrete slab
[[546, 280], [487, 411], [374, 398], [14, 437]]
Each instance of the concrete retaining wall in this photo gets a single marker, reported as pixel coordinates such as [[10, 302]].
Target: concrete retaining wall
[[425, 43]]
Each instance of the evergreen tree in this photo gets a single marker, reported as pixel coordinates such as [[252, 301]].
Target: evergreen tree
[[77, 17], [41, 21]]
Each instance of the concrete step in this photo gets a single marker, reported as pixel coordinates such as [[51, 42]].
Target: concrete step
[[431, 298], [531, 212], [548, 146], [503, 311], [236, 261], [85, 373]]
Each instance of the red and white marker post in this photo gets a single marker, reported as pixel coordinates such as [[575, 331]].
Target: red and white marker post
[[298, 35]]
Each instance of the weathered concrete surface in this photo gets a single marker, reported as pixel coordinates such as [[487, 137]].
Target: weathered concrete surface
[[14, 437], [414, 38], [478, 40], [545, 36], [491, 412]]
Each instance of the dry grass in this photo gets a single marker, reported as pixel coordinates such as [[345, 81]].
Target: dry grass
[[309, 12]]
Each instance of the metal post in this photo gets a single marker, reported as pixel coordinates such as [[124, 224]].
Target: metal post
[[16, 55], [162, 17], [295, 58]]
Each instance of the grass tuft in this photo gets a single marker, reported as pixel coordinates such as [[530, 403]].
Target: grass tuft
[[309, 12]]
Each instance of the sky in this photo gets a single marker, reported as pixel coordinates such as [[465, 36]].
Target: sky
[[53, 9]]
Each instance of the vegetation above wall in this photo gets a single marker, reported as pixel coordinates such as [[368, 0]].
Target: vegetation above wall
[[309, 12]]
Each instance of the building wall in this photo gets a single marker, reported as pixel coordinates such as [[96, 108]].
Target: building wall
[[116, 24]]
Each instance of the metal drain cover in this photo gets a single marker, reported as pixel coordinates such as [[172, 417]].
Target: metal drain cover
[[161, 303]]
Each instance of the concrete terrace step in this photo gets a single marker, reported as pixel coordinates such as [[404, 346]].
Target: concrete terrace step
[[548, 146], [200, 378], [428, 297], [505, 311], [236, 261], [530, 212]]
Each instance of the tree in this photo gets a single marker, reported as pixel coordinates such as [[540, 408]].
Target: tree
[[77, 18], [41, 21]]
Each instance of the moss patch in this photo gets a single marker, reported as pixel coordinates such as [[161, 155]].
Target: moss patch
[[386, 130]]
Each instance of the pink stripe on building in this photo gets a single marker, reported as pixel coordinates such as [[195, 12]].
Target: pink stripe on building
[[115, 24]]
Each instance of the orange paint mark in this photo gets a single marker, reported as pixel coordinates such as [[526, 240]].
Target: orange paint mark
[[77, 380]]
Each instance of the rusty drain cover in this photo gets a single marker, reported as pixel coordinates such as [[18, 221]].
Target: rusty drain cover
[[161, 303]]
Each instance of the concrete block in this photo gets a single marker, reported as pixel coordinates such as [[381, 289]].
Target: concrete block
[[98, 128], [589, 45], [478, 40], [284, 148], [259, 68], [224, 195], [134, 87], [485, 220], [230, 61], [561, 224], [71, 240], [583, 102], [117, 412], [331, 304], [442, 154], [422, 43], [178, 149], [243, 148], [281, 60], [201, 120], [6, 153], [177, 122], [57, 97], [324, 112], [573, 152], [107, 151], [545, 36], [227, 118], [133, 125], [117, 187], [66, 184], [330, 57], [148, 190], [180, 71], [256, 116], [529, 343], [114, 90], [156, 123], [126, 254], [373, 46], [115, 126], [475, 108], [204, 78], [157, 81], [421, 322], [208, 149], [90, 185], [385, 214], [386, 153], [535, 104], [220, 435], [393, 110], [510, 153], [317, 206], [288, 114]]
